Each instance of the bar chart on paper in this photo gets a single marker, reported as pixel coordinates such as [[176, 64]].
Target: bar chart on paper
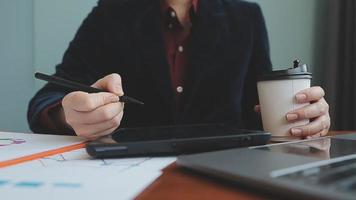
[[75, 175]]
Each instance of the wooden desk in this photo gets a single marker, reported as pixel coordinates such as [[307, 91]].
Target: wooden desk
[[178, 184]]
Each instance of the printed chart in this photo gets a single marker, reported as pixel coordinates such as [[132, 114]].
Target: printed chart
[[75, 175], [18, 145], [10, 141]]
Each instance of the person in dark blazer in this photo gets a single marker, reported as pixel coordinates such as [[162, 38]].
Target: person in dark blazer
[[190, 61]]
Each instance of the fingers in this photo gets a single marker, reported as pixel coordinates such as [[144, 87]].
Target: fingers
[[311, 111], [319, 125], [320, 134], [101, 114], [318, 110], [84, 102], [92, 115], [310, 94], [99, 129], [97, 114], [111, 83]]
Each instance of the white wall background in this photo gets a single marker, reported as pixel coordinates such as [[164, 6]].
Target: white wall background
[[35, 33]]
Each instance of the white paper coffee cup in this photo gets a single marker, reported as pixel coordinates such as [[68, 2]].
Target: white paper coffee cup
[[276, 91]]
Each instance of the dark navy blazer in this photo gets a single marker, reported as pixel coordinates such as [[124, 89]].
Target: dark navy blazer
[[229, 49]]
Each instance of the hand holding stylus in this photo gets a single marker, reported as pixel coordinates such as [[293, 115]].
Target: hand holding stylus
[[92, 111], [93, 115]]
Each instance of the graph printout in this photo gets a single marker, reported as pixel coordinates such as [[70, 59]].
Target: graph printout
[[74, 175], [15, 145]]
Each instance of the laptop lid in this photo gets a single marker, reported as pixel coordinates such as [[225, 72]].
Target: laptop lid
[[267, 166]]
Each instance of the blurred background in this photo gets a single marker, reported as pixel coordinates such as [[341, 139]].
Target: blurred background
[[35, 33]]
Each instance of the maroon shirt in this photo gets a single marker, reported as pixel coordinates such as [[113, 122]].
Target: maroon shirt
[[176, 39]]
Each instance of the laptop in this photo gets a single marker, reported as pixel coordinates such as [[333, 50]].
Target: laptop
[[323, 168]]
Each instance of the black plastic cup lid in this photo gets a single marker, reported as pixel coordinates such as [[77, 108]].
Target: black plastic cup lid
[[296, 72]]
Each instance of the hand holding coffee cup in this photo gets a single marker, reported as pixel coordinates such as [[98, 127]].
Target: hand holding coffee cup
[[317, 112], [290, 109]]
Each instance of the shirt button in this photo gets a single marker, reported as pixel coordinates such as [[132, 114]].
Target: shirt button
[[180, 49], [179, 89], [173, 14], [170, 26]]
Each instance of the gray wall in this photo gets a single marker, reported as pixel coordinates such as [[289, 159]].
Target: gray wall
[[56, 22], [296, 29], [35, 33], [16, 62]]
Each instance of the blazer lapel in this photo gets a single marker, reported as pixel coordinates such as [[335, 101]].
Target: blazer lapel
[[153, 54], [209, 37]]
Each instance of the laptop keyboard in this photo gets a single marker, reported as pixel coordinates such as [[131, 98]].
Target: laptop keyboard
[[340, 176]]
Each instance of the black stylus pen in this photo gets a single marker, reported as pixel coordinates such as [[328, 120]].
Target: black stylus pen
[[80, 87]]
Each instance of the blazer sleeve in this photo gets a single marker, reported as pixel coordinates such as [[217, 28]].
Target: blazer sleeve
[[260, 63], [80, 63]]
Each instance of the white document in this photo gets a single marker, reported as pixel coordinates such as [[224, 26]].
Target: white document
[[15, 145], [74, 175]]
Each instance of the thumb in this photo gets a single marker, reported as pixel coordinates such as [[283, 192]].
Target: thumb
[[110, 83]]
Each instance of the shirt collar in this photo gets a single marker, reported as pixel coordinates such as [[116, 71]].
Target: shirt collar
[[172, 22], [165, 6]]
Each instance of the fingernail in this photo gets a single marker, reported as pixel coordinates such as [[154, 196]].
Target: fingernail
[[291, 117], [114, 99], [296, 132], [301, 97]]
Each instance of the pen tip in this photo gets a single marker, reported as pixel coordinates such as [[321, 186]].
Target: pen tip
[[127, 99], [138, 102]]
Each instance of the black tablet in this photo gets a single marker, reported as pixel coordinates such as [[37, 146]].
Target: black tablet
[[174, 140]]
